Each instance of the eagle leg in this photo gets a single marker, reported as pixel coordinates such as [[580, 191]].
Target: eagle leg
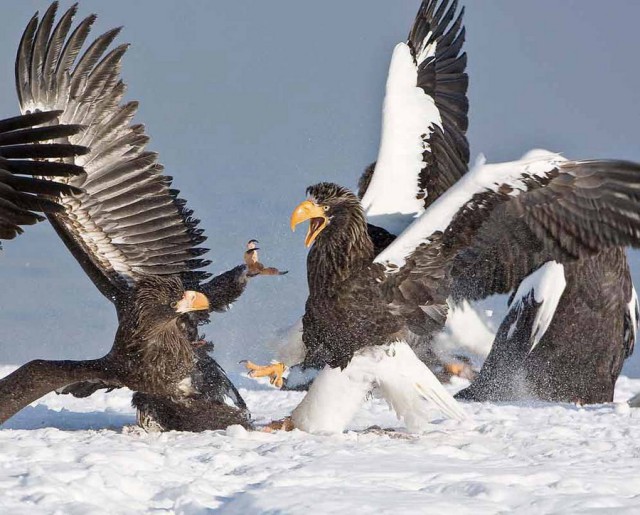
[[460, 369], [285, 424], [269, 270], [274, 372]]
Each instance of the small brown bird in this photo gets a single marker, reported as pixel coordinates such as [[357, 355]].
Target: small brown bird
[[254, 266]]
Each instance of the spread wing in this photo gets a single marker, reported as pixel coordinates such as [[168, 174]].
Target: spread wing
[[423, 148], [572, 209], [504, 251], [128, 222], [23, 139]]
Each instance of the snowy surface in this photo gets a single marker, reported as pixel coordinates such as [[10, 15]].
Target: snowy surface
[[64, 455]]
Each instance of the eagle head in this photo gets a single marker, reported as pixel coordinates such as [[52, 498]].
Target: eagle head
[[328, 206]]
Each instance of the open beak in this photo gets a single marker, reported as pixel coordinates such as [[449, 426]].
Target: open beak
[[307, 210], [192, 301]]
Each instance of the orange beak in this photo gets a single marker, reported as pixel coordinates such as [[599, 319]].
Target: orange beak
[[307, 210], [192, 301]]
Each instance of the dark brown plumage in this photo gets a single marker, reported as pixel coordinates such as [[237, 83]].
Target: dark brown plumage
[[132, 235], [346, 309], [356, 302], [216, 403], [150, 353], [507, 250], [352, 303], [443, 77], [435, 48], [150, 342], [580, 355], [23, 139]]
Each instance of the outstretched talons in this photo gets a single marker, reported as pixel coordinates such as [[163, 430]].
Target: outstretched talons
[[272, 271], [254, 267], [274, 372], [286, 424], [253, 272], [460, 369]]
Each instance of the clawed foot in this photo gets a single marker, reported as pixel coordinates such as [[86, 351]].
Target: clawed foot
[[254, 267], [460, 369], [274, 372], [267, 270], [286, 424]]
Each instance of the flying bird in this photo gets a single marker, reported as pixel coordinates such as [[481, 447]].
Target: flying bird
[[132, 235]]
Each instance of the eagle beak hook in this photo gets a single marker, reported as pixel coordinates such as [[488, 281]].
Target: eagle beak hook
[[192, 301], [307, 210]]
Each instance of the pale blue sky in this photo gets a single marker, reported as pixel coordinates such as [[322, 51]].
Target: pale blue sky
[[250, 102]]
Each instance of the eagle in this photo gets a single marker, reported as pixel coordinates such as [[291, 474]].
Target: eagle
[[132, 235], [360, 303], [569, 325], [367, 301], [567, 344], [423, 152]]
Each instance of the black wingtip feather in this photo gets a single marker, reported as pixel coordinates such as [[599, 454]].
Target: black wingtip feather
[[127, 196]]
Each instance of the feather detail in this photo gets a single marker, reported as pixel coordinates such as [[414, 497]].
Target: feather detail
[[423, 147], [402, 379], [127, 223], [22, 196]]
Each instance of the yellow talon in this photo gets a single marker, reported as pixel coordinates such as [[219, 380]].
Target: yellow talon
[[286, 424], [459, 369], [273, 371]]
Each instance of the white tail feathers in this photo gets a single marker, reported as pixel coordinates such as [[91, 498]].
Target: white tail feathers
[[405, 383], [402, 379]]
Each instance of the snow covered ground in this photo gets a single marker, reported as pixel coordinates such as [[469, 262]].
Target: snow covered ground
[[65, 455]]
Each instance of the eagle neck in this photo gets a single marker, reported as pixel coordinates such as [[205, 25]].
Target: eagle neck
[[341, 251]]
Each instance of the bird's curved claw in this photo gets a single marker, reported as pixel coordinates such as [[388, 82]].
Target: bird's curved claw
[[460, 369], [254, 266], [286, 424], [274, 372], [273, 271]]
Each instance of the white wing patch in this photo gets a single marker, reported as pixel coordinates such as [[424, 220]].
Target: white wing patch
[[634, 312], [428, 50], [547, 284], [407, 120], [229, 401], [466, 333], [482, 177]]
